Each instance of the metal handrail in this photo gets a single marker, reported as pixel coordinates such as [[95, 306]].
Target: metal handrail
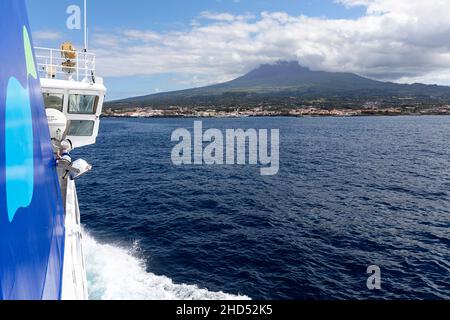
[[52, 64]]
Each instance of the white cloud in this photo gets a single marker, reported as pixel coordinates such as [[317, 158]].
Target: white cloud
[[394, 40], [224, 16], [353, 3], [46, 35], [145, 36]]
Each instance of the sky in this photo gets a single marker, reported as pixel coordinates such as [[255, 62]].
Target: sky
[[150, 46]]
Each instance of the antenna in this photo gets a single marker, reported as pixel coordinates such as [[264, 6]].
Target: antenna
[[85, 27]]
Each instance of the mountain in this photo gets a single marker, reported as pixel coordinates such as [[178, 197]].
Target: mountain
[[274, 83]]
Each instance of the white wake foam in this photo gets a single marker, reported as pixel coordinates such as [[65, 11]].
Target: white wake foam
[[115, 274]]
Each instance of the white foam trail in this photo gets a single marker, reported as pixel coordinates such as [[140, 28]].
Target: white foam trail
[[115, 274]]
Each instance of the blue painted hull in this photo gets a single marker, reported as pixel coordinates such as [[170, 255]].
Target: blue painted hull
[[31, 210]]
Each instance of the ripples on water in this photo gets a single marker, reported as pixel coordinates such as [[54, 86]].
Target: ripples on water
[[351, 192]]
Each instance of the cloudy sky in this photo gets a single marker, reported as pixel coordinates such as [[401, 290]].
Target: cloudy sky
[[146, 46]]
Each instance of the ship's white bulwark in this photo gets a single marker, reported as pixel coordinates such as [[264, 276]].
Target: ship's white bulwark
[[74, 273]]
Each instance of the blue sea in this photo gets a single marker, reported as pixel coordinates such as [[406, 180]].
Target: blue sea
[[351, 193]]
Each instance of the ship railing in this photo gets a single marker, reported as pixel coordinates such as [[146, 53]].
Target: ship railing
[[55, 64]]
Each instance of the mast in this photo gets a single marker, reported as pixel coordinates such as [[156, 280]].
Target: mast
[[85, 27]]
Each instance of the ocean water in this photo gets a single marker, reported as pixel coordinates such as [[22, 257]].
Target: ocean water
[[351, 192]]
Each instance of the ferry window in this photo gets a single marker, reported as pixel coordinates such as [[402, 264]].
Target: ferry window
[[54, 101], [82, 104], [80, 128]]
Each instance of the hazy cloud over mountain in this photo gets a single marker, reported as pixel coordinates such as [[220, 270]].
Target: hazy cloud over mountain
[[399, 40]]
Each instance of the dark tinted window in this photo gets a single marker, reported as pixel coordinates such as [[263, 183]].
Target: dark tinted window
[[54, 101], [82, 104], [81, 128]]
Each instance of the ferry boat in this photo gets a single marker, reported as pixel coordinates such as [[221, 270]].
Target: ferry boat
[[50, 103]]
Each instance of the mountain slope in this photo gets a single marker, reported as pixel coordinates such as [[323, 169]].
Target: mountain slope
[[271, 83]]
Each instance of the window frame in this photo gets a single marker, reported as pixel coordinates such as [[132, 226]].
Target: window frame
[[78, 94], [70, 126], [55, 92]]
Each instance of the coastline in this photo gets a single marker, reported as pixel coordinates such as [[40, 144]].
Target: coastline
[[240, 112], [281, 115]]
